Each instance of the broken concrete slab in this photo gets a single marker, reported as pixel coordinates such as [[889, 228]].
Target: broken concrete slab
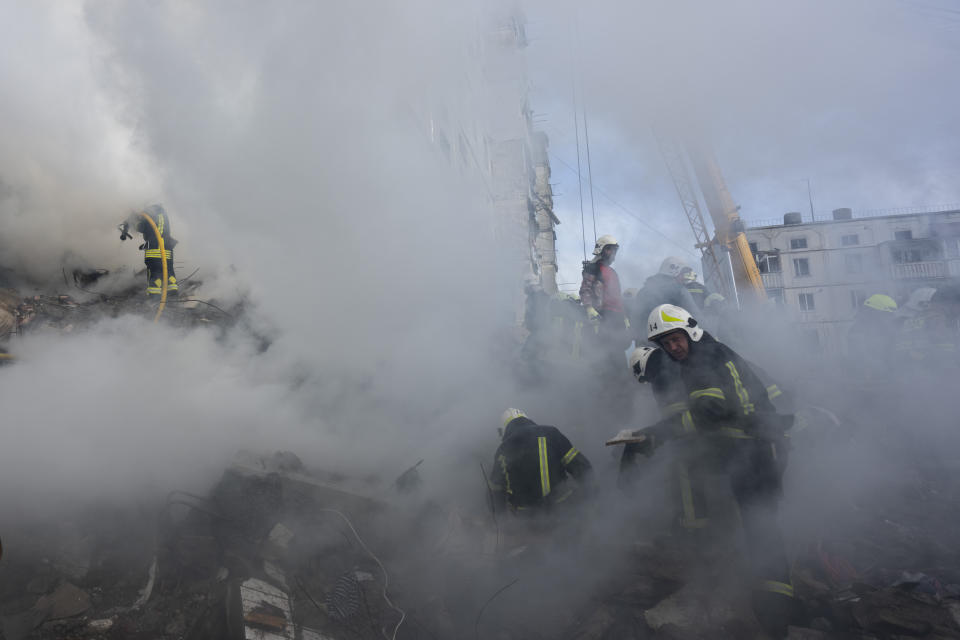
[[901, 612], [100, 626], [701, 609], [66, 601]]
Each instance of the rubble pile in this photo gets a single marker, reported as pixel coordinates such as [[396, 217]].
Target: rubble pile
[[274, 552], [82, 307], [271, 553]]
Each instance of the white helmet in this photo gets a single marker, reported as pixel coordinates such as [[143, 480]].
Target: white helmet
[[638, 362], [668, 318], [713, 299], [510, 415], [602, 242], [673, 267], [919, 300]]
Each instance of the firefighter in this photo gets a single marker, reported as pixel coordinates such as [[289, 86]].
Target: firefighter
[[664, 287], [874, 330], [533, 465], [151, 248], [606, 335], [698, 291], [600, 287], [738, 433]]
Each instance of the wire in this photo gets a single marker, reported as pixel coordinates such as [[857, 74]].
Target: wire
[[630, 213], [386, 577], [309, 597], [476, 623], [189, 276], [586, 137], [209, 304], [576, 130], [493, 510]]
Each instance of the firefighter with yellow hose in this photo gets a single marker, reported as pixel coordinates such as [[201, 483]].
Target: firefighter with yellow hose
[[151, 247]]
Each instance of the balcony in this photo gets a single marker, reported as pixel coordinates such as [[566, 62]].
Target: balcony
[[772, 280], [919, 270]]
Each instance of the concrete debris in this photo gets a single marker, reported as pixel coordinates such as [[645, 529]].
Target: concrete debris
[[697, 608], [280, 537], [266, 555], [148, 588], [66, 601], [100, 626]]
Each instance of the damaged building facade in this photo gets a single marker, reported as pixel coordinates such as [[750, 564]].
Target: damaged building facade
[[489, 135], [822, 271]]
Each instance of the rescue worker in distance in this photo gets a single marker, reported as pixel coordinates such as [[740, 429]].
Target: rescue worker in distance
[[667, 286], [697, 290], [874, 329], [742, 436], [533, 465], [151, 248], [600, 288]]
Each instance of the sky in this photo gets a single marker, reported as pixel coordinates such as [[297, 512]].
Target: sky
[[853, 96]]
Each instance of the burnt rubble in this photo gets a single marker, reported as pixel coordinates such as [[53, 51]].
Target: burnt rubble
[[274, 551]]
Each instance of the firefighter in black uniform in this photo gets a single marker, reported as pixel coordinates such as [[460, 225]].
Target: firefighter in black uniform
[[151, 248], [533, 463], [740, 433], [698, 290]]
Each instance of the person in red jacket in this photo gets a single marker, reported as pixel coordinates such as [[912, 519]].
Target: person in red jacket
[[600, 289], [605, 345]]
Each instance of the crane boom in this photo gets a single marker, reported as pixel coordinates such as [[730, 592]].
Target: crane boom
[[726, 220], [673, 157]]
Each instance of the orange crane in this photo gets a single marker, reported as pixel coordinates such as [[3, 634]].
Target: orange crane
[[729, 232]]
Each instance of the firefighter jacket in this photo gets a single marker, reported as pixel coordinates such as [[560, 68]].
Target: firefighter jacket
[[532, 466], [151, 248], [600, 288], [698, 291], [162, 220], [674, 399], [725, 395]]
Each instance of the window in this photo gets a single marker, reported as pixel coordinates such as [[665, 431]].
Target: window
[[801, 267], [798, 243], [951, 247], [753, 248], [776, 295], [903, 235], [857, 298], [850, 240], [768, 263], [907, 256], [806, 302], [854, 263]]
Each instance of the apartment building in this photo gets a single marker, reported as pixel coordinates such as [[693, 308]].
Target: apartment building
[[822, 271]]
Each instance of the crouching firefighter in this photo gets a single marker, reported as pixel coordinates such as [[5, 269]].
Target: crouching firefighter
[[533, 465], [737, 432], [153, 230]]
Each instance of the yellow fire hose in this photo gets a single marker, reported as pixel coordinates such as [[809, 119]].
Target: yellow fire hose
[[163, 260]]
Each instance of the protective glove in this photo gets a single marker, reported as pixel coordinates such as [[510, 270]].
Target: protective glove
[[626, 322], [593, 315]]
